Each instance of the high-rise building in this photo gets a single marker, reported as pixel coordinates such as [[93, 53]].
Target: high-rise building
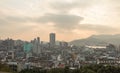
[[52, 39], [36, 45], [38, 40]]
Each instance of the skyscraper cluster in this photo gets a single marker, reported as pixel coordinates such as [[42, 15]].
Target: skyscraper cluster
[[37, 44]]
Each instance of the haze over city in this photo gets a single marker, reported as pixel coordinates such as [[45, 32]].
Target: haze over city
[[70, 19]]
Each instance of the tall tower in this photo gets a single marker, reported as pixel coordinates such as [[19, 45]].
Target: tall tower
[[36, 45], [38, 40], [52, 39]]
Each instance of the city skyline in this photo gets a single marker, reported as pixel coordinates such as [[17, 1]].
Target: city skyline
[[69, 19]]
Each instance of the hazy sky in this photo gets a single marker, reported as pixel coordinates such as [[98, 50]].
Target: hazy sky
[[69, 19]]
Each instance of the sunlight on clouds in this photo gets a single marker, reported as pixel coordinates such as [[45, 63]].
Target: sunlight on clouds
[[83, 33], [70, 19], [96, 15]]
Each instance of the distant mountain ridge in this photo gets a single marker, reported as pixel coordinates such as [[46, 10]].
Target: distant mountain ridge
[[98, 40]]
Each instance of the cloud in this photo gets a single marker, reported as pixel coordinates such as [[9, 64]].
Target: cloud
[[61, 21], [63, 17], [14, 24], [71, 4], [97, 28], [13, 21], [17, 19], [9, 17]]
